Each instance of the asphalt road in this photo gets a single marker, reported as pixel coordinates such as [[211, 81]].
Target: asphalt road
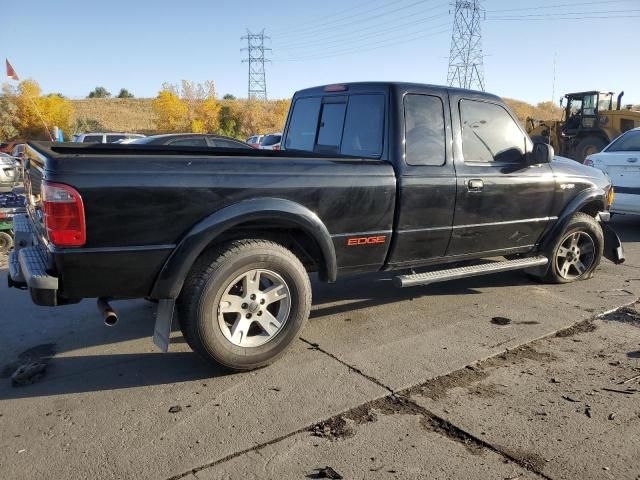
[[102, 410]]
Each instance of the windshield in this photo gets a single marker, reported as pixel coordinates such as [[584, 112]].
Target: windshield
[[627, 142]]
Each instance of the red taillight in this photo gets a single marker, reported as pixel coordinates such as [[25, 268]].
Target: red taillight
[[63, 215], [276, 147], [588, 162]]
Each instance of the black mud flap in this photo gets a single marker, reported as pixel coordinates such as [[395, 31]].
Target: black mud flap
[[612, 245]]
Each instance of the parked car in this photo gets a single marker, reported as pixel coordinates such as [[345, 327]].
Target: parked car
[[375, 177], [621, 161], [191, 140], [17, 153], [9, 176], [255, 140], [271, 141], [97, 137]]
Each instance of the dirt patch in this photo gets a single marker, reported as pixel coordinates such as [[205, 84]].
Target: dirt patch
[[629, 315], [467, 377], [438, 387], [526, 459], [333, 429], [582, 327]]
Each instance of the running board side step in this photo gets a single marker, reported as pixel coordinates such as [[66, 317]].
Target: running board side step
[[464, 272]]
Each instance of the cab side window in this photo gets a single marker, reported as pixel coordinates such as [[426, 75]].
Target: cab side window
[[489, 134], [424, 130]]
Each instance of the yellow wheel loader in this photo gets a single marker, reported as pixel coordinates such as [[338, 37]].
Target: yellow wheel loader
[[589, 123]]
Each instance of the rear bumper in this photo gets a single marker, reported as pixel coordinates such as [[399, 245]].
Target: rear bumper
[[29, 266]]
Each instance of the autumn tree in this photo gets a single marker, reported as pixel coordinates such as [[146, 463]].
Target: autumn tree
[[34, 110], [171, 113], [8, 110]]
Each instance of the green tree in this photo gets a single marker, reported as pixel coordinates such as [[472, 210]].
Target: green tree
[[124, 93], [229, 96], [99, 92]]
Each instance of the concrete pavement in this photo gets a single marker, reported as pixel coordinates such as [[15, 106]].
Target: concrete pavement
[[102, 410]]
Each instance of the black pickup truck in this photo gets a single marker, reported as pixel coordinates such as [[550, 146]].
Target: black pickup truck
[[372, 177]]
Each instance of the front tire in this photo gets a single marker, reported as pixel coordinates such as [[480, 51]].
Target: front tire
[[589, 146], [577, 252], [244, 303]]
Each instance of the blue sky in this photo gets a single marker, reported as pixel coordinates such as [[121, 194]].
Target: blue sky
[[72, 46]]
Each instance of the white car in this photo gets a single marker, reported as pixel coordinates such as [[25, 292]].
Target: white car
[[271, 141], [100, 137], [621, 161]]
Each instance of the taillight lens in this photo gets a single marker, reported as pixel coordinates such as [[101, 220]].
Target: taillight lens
[[588, 162], [63, 215], [276, 147]]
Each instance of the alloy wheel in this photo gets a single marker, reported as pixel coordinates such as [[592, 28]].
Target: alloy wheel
[[575, 256], [254, 308]]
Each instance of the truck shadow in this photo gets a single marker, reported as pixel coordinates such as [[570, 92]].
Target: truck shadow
[[99, 373], [375, 290]]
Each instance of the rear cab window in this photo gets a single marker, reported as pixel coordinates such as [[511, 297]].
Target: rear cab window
[[351, 124], [92, 139]]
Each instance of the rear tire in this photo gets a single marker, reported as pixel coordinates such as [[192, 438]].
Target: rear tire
[[577, 251], [6, 242], [244, 303]]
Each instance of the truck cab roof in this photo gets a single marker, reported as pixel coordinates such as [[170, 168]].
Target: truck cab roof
[[351, 87]]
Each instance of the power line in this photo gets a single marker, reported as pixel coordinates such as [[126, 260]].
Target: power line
[[405, 39], [520, 19], [301, 25], [466, 63], [577, 4], [598, 12], [341, 38], [257, 76], [360, 18]]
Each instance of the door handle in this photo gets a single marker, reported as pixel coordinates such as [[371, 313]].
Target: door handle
[[475, 185]]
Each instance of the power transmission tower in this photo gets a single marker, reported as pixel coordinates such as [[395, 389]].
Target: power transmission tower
[[466, 69], [255, 51]]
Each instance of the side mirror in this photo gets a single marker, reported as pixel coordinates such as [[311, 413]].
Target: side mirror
[[541, 153]]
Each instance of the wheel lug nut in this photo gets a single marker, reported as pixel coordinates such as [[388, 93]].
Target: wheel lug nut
[[260, 313], [262, 302], [248, 315], [244, 305], [253, 296]]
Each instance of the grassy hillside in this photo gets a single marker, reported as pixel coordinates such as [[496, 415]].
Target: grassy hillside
[[115, 114], [136, 115]]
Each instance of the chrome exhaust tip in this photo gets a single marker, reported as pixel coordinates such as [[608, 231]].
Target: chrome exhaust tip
[[110, 317]]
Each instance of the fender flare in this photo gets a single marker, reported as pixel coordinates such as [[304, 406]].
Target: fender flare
[[174, 272], [583, 198]]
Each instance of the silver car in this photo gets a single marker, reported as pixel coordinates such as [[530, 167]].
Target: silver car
[[8, 172]]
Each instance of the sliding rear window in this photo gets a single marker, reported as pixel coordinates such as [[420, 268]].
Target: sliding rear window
[[349, 125]]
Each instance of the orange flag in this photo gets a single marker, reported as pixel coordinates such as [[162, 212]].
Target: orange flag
[[11, 73]]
